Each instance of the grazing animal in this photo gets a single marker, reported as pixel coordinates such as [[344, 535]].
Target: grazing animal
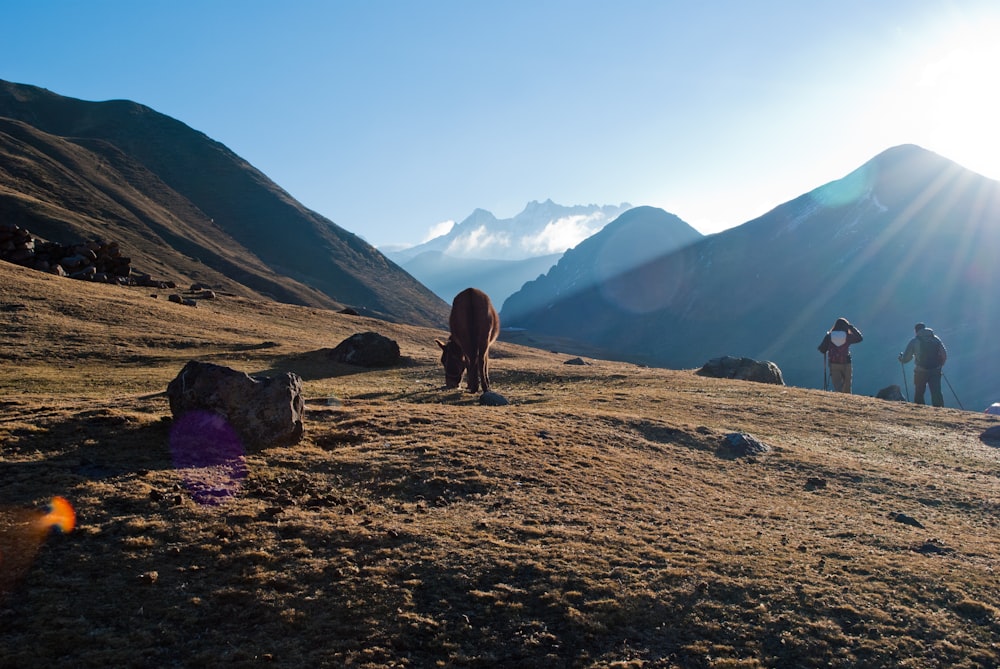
[[474, 326]]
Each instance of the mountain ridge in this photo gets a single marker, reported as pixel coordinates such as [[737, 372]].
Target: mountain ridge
[[901, 239], [536, 230], [279, 246]]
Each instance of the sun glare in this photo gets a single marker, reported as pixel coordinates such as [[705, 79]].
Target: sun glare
[[950, 102]]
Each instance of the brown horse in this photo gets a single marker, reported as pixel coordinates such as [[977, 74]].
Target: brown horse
[[474, 326]]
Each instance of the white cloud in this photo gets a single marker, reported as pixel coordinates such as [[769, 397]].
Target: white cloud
[[438, 230], [563, 233], [479, 240]]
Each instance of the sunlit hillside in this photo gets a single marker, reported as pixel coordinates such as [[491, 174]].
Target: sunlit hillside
[[597, 520]]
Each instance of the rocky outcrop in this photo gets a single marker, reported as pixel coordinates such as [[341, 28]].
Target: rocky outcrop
[[96, 260]]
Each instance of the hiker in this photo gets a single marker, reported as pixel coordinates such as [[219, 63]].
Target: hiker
[[836, 347], [929, 355]]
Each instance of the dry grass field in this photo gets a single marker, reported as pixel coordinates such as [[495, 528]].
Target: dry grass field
[[592, 522]]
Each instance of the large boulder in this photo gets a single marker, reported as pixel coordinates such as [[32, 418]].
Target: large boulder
[[264, 411], [746, 369], [367, 349]]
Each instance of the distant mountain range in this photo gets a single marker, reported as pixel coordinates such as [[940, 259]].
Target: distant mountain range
[[542, 228], [447, 276], [500, 255], [184, 207], [908, 237]]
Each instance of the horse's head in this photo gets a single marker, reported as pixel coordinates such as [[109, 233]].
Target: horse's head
[[454, 362]]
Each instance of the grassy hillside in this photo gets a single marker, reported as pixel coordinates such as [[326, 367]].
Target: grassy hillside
[[184, 207], [592, 522]]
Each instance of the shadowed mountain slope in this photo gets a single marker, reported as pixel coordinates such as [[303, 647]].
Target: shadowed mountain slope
[[447, 275], [907, 237], [184, 206]]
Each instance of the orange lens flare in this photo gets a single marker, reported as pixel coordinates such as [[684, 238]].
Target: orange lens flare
[[61, 515]]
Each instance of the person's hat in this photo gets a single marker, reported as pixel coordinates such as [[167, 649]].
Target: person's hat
[[918, 327]]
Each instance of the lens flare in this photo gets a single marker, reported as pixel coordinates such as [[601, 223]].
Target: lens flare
[[207, 450], [61, 515], [22, 533]]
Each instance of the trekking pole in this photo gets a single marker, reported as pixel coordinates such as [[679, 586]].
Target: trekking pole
[[905, 388], [826, 386], [952, 391]]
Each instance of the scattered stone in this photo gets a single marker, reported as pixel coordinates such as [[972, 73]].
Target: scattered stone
[[815, 483], [149, 577], [745, 369], [493, 399], [263, 411], [367, 349], [576, 361], [991, 436], [891, 393], [905, 519], [933, 547], [741, 445]]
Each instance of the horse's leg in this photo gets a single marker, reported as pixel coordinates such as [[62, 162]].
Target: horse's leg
[[473, 374], [484, 376]]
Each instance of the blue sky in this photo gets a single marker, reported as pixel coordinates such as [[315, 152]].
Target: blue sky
[[391, 118]]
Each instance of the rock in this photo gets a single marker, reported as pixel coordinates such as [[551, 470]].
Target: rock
[[746, 369], [991, 435], [905, 519], [263, 411], [741, 445], [891, 393], [348, 311], [815, 483], [933, 547], [576, 361], [367, 349], [492, 399]]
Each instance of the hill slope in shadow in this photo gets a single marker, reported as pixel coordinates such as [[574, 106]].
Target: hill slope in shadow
[[185, 206]]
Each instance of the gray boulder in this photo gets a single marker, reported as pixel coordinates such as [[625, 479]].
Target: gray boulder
[[741, 445], [991, 436], [746, 369], [263, 411], [492, 399], [891, 393], [367, 349]]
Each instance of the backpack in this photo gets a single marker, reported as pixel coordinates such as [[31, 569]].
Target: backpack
[[932, 352], [838, 354]]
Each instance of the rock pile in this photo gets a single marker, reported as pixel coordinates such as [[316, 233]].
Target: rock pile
[[96, 260]]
